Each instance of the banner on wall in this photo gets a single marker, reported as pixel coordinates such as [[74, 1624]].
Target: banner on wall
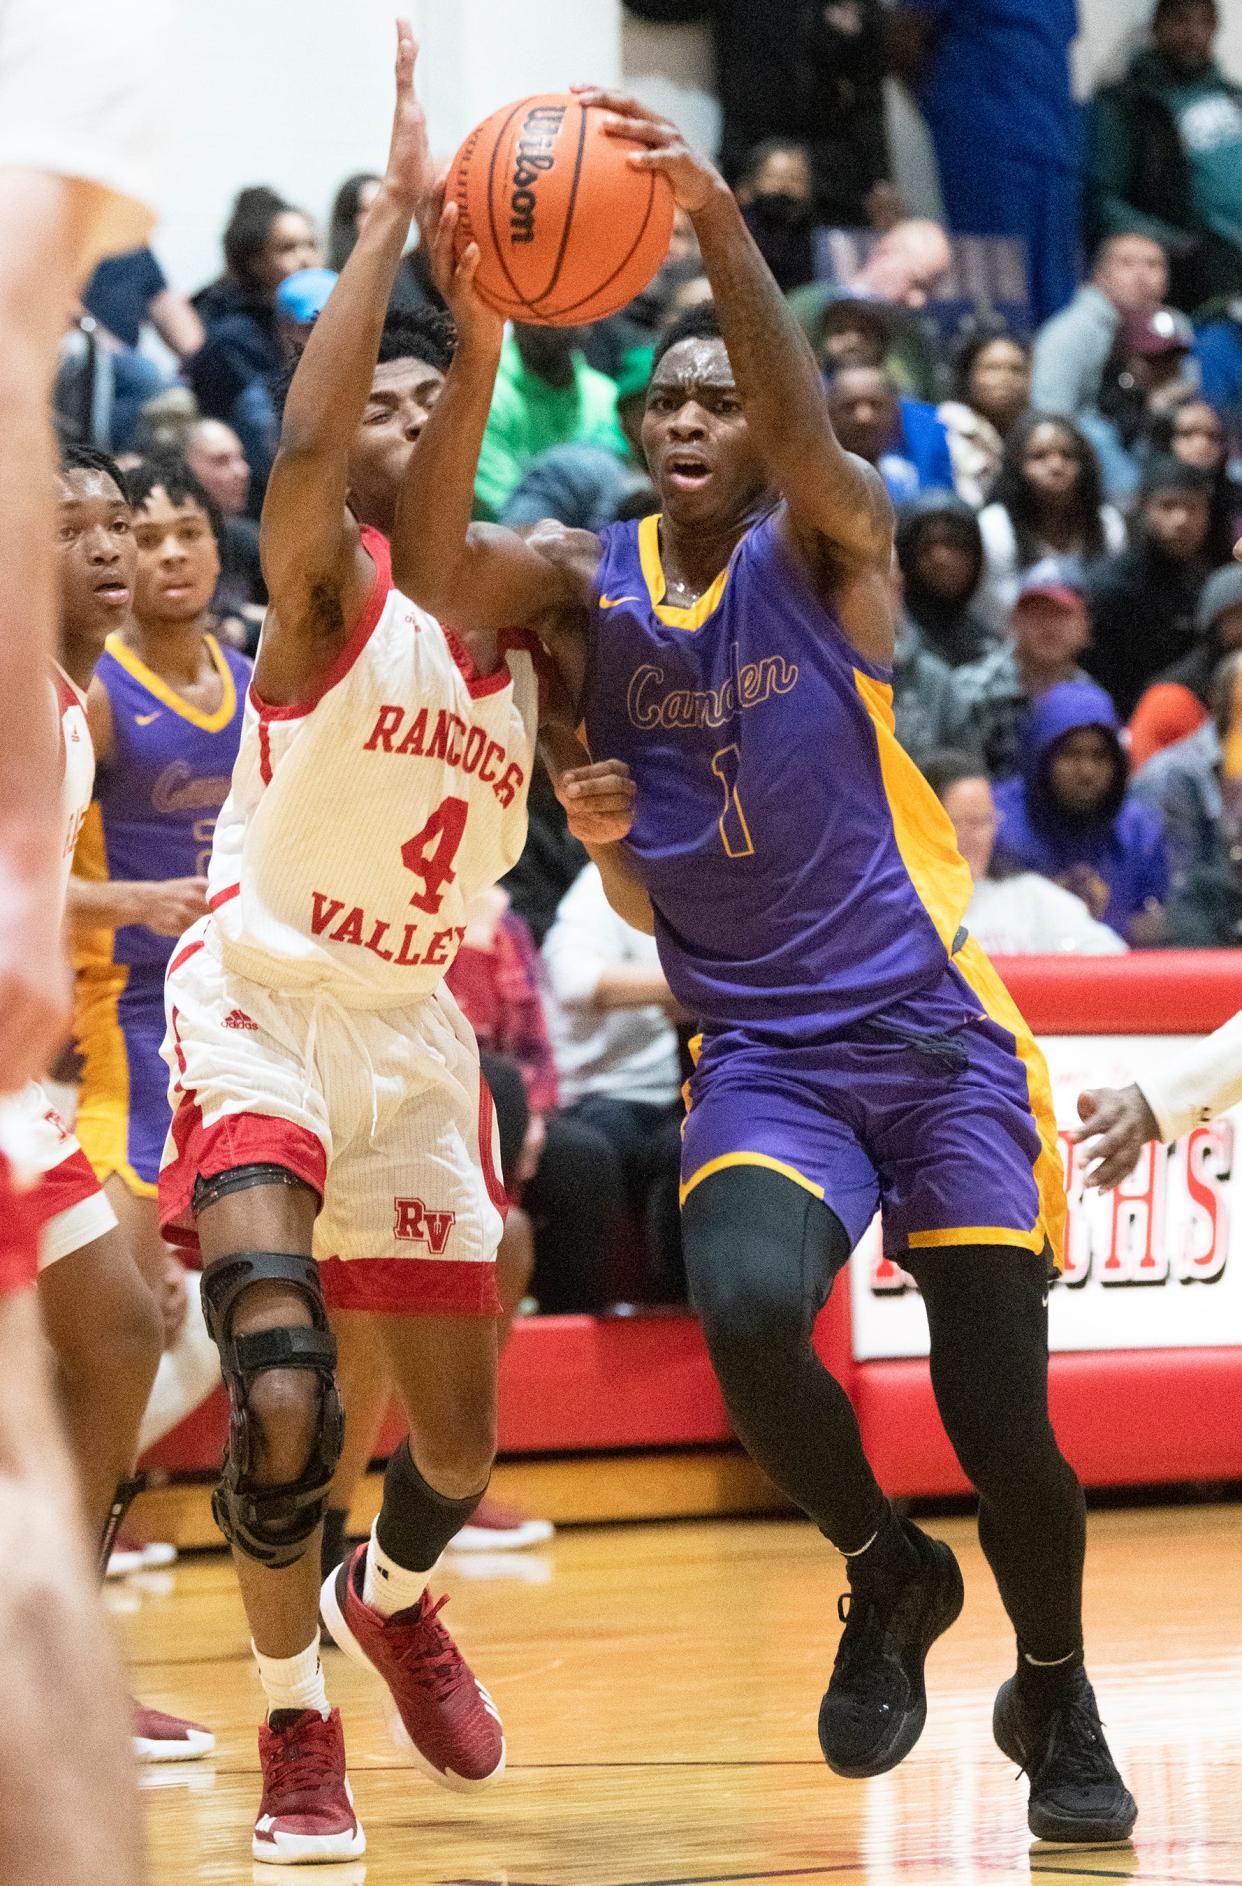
[[1155, 1265]]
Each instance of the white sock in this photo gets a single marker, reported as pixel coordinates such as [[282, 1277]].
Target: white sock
[[293, 1682], [386, 1586]]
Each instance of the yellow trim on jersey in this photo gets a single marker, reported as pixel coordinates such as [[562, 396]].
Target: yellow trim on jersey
[[159, 688], [92, 949], [696, 613], [921, 826], [1049, 1170], [979, 1234], [749, 1159], [102, 1123]]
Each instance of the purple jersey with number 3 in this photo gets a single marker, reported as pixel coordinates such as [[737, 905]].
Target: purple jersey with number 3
[[803, 874]]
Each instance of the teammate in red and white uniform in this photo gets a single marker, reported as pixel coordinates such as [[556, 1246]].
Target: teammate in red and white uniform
[[78, 144], [331, 1136], [106, 1361]]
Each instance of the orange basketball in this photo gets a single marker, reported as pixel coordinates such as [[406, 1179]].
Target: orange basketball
[[567, 231]]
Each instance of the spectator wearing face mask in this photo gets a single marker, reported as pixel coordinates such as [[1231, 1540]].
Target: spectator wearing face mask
[[991, 701], [777, 196], [902, 438], [1166, 153], [1011, 913], [1070, 815], [810, 70], [1179, 701], [940, 555], [1143, 600]]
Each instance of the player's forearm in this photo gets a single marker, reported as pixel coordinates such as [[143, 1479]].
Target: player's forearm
[[623, 887], [780, 386], [105, 906], [1199, 1084], [432, 525], [333, 380], [633, 985]]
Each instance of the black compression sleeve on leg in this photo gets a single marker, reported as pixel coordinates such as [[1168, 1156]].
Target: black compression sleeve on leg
[[761, 1256], [988, 1317], [415, 1522]]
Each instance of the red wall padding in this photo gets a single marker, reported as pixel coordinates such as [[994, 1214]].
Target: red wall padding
[[577, 1384]]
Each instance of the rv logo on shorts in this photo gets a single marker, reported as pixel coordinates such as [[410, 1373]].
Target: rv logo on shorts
[[420, 1226]]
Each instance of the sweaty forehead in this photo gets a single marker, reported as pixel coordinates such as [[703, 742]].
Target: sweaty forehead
[[85, 485], [410, 375], [699, 361]]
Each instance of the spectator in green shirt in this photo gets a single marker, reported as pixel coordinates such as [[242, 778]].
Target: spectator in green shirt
[[546, 395], [1166, 153]]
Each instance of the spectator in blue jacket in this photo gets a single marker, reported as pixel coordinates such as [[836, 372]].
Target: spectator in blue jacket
[[1219, 351], [1071, 816], [902, 438], [993, 80]]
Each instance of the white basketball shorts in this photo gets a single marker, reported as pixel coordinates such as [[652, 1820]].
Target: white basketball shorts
[[63, 1192], [383, 1113]]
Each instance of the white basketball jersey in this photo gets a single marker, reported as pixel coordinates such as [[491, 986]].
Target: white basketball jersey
[[361, 823], [77, 775]]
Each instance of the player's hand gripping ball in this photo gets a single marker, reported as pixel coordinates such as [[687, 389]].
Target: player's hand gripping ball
[[568, 230]]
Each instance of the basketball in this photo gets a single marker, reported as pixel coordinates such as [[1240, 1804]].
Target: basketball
[[567, 231]]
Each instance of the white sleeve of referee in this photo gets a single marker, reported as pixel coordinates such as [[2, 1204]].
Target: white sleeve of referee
[[1199, 1084], [84, 94]]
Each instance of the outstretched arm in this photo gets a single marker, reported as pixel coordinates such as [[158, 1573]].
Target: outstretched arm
[[316, 571], [831, 495], [479, 577]]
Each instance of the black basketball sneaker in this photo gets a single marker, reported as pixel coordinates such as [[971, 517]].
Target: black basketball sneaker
[[1076, 1792], [876, 1702]]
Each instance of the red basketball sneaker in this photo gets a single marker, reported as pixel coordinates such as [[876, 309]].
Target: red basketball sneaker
[[307, 1811], [446, 1719], [161, 1738]]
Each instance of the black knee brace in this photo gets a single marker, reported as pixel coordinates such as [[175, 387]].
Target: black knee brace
[[271, 1523]]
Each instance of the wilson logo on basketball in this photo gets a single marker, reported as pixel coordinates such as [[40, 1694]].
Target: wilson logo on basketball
[[417, 1225], [535, 154]]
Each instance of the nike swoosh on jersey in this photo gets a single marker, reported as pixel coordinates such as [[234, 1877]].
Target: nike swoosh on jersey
[[144, 720], [615, 602]]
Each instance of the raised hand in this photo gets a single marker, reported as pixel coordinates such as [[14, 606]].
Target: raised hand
[[1117, 1124], [410, 173], [453, 273], [694, 180]]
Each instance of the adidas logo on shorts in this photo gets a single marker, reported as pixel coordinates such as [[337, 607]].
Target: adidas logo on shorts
[[235, 1019]]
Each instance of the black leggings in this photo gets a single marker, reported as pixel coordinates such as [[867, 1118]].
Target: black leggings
[[762, 1255]]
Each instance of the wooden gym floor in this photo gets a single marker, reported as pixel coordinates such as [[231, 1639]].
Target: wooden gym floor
[[660, 1684]]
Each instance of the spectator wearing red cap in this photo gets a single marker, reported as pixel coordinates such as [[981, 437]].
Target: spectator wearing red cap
[[990, 700], [1152, 371]]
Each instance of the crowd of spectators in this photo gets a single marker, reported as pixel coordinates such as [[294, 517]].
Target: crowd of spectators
[[1066, 471]]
